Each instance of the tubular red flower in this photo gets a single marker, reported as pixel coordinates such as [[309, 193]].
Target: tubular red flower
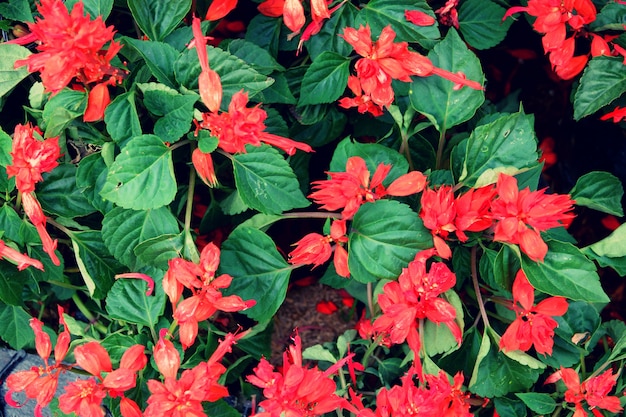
[[36, 216], [219, 9], [209, 82], [419, 18], [23, 261], [166, 356], [97, 102], [93, 358]]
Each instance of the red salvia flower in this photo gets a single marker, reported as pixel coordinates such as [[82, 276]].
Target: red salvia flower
[[220, 8], [31, 156], [416, 296], [296, 390], [617, 115], [448, 14], [209, 82], [361, 101], [242, 125], [35, 214], [438, 213], [203, 163], [326, 307], [40, 383], [419, 18], [316, 249], [522, 214], [473, 211], [533, 325], [594, 391], [23, 261]]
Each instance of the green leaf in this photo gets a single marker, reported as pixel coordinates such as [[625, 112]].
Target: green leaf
[[611, 17], [255, 56], [159, 250], [325, 80], [121, 117], [16, 10], [438, 338], [385, 237], [329, 39], [142, 176], [565, 272], [6, 146], [234, 73], [496, 375], [11, 283], [96, 264], [259, 271], [318, 353], [10, 77], [59, 194], [10, 224], [480, 22], [158, 19], [62, 109], [436, 97], [612, 246], [159, 57], [90, 177], [278, 92], [116, 344], [175, 110], [325, 131], [381, 13], [266, 182], [14, 326], [127, 301], [603, 80], [264, 31], [94, 8], [537, 402], [508, 407], [507, 145], [123, 230], [600, 191]]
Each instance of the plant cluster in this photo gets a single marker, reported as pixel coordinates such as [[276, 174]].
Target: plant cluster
[[159, 156]]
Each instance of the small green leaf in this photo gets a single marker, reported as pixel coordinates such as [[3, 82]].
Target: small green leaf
[[142, 176], [436, 97], [600, 191], [329, 39], [507, 145], [121, 117], [255, 56], [157, 251], [611, 17], [90, 177], [612, 246], [11, 284], [259, 272], [128, 301], [565, 272], [14, 326], [603, 80], [480, 23], [385, 237], [537, 402], [9, 76], [266, 182], [381, 13], [123, 230], [94, 8], [175, 110], [159, 57], [325, 80], [158, 19], [264, 31], [59, 194], [318, 353]]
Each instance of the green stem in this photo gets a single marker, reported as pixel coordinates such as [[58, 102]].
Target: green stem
[[180, 144], [370, 299], [479, 299], [440, 146], [311, 215], [366, 356], [85, 311], [189, 206], [65, 285]]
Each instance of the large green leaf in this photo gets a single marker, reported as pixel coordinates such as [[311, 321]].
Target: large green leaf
[[128, 301], [600, 191], [62, 109], [495, 374], [142, 176], [10, 77], [436, 97], [259, 272], [329, 39], [158, 56], [603, 80], [611, 17], [94, 8], [385, 237], [175, 110], [235, 74], [121, 117], [16, 10], [11, 283], [266, 182], [507, 145], [14, 326], [123, 230], [96, 264], [612, 246], [255, 56], [91, 177], [381, 13], [264, 31], [480, 23], [159, 250], [325, 80], [59, 194], [565, 272], [10, 224], [157, 19]]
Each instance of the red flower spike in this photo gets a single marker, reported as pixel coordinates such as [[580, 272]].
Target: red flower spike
[[293, 16], [271, 8], [31, 157], [134, 358], [419, 18], [412, 183], [166, 356], [209, 83], [93, 358], [38, 219], [473, 212], [137, 275], [340, 261], [219, 9], [533, 325], [63, 340], [23, 261], [203, 163], [42, 339], [312, 249], [97, 102], [129, 408], [363, 102]]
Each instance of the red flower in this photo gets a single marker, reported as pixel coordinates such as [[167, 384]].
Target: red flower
[[316, 249], [203, 163], [594, 391], [220, 8], [533, 325], [83, 397], [23, 261], [473, 212], [209, 83], [448, 14], [97, 102], [618, 114], [71, 47], [438, 213], [363, 102], [419, 18], [326, 307], [296, 390], [241, 126], [31, 156], [522, 214], [33, 210], [548, 156], [416, 296]]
